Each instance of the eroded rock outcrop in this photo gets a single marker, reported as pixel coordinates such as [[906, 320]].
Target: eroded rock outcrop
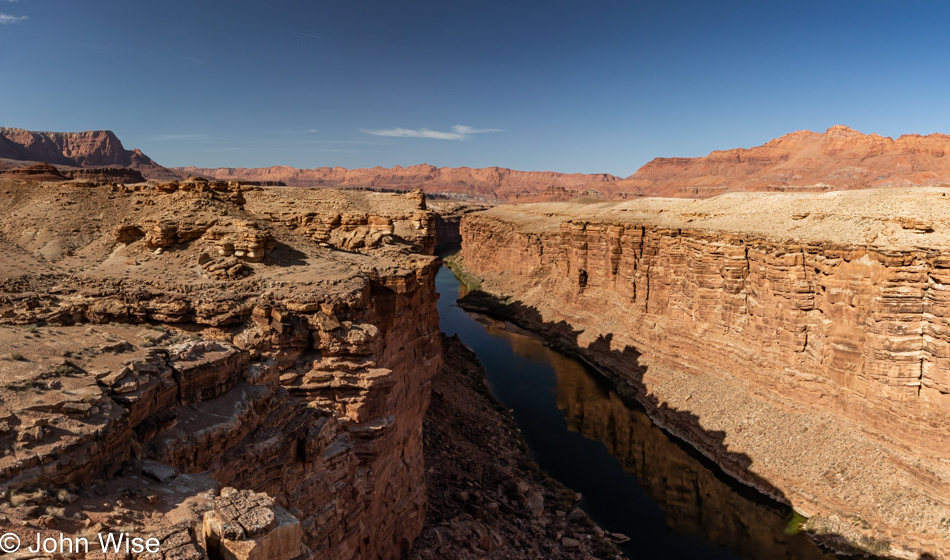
[[35, 172], [244, 525], [106, 175], [797, 340], [138, 378]]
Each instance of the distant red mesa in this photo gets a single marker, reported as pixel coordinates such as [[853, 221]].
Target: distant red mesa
[[838, 159]]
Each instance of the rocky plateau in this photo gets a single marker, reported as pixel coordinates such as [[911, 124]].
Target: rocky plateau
[[838, 159], [239, 372]]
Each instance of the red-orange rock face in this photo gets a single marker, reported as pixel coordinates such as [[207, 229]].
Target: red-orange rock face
[[837, 159], [89, 149], [491, 184], [798, 340], [803, 161]]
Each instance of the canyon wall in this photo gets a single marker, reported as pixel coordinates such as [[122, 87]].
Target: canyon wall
[[800, 341], [238, 372], [448, 219]]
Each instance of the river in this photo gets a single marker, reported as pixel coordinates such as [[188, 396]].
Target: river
[[635, 479]]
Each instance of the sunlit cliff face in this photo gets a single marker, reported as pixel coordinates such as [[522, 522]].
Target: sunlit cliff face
[[793, 339]]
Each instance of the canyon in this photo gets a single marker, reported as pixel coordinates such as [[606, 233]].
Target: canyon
[[245, 372], [797, 340]]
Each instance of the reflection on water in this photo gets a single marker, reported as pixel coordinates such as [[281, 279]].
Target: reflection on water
[[635, 479]]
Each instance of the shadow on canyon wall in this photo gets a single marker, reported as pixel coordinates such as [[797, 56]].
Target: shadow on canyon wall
[[697, 496]]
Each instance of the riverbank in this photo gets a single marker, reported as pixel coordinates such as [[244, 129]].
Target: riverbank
[[487, 498]]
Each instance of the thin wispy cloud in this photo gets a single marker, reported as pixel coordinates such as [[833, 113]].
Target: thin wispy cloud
[[459, 132], [6, 19], [301, 131]]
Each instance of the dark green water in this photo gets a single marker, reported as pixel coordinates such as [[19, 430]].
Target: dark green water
[[635, 479]]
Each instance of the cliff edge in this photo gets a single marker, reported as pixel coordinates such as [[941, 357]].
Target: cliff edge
[[234, 372]]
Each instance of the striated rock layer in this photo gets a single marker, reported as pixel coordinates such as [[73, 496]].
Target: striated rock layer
[[838, 159], [89, 149], [238, 372], [491, 184], [800, 341]]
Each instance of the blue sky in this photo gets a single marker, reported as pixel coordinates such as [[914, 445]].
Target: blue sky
[[572, 86]]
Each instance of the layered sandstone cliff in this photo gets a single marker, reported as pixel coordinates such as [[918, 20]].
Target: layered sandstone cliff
[[35, 172], [448, 218], [87, 149], [797, 340], [238, 372], [838, 159], [46, 172]]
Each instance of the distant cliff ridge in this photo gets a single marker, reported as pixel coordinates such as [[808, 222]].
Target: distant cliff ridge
[[838, 159], [88, 149], [804, 161], [490, 184]]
